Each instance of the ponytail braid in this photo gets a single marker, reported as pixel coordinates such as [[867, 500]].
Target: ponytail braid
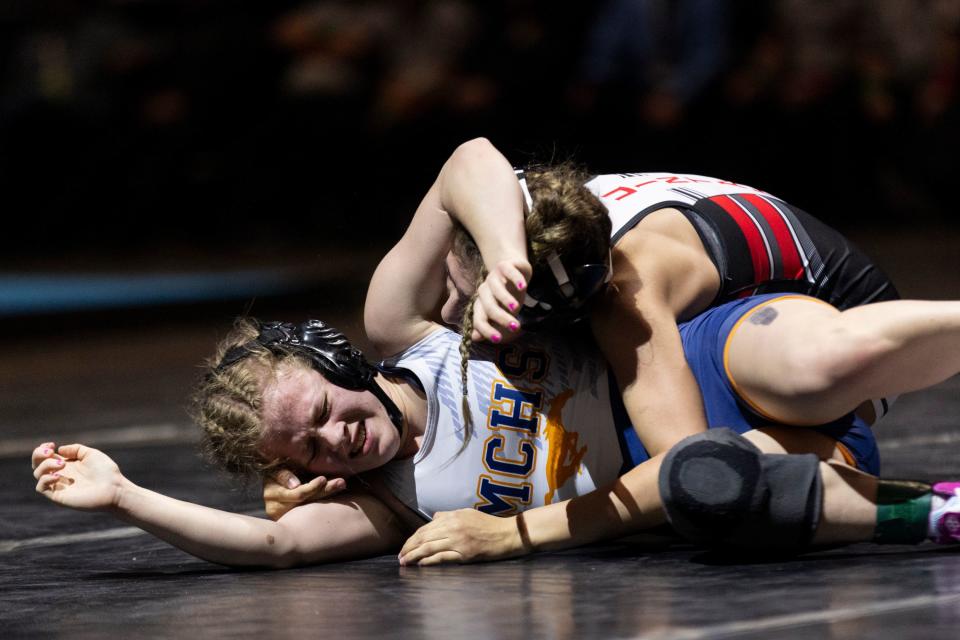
[[466, 343]]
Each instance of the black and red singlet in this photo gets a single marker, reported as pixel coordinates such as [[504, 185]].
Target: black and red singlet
[[758, 242]]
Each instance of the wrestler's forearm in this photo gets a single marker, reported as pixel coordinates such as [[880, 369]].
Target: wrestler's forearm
[[659, 391], [665, 406], [629, 505], [213, 535], [479, 189]]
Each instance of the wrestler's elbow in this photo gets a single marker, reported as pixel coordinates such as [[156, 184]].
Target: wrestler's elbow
[[474, 146], [477, 154], [282, 549]]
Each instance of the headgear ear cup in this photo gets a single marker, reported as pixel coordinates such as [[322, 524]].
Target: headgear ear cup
[[327, 350], [559, 295]]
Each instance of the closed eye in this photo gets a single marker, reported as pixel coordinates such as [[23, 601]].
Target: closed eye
[[324, 411], [319, 419]]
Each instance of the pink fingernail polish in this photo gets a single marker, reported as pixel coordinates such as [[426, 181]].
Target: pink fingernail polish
[[60, 463], [514, 326], [520, 285], [495, 337], [55, 474], [47, 452], [511, 306]]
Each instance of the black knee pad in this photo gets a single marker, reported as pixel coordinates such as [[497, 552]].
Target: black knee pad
[[718, 489]]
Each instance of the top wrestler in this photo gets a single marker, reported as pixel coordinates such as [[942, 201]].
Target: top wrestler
[[681, 244], [545, 441]]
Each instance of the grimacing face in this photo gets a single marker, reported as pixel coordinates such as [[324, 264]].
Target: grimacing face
[[323, 429]]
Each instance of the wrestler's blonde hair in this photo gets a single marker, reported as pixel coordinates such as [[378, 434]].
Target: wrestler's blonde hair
[[227, 403], [566, 218]]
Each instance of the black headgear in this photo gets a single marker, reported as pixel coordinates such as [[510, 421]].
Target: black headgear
[[558, 295], [327, 350]]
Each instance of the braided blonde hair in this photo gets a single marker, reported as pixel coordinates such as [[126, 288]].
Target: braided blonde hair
[[226, 404]]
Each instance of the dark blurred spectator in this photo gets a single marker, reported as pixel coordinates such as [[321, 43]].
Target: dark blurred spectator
[[910, 47], [815, 48], [405, 54], [187, 115], [803, 55], [668, 51], [860, 92]]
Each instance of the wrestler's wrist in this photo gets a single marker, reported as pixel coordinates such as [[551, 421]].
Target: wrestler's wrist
[[523, 543], [494, 261], [124, 498]]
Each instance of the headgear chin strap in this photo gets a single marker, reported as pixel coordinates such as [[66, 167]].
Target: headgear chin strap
[[327, 350]]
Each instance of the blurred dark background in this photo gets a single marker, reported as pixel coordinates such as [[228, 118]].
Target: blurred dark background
[[131, 130]]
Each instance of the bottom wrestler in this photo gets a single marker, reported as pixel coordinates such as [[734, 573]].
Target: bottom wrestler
[[544, 452]]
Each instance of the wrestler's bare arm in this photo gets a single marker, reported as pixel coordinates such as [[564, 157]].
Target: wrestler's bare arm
[[656, 280], [628, 505], [475, 187], [351, 525]]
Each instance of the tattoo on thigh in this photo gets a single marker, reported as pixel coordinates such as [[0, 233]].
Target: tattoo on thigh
[[764, 316]]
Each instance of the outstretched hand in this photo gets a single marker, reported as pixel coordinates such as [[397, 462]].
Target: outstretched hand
[[461, 536], [282, 491], [77, 476], [499, 300]]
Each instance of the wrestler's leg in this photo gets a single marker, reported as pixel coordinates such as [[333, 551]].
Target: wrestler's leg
[[800, 361], [858, 507], [849, 511], [718, 490], [793, 440]]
